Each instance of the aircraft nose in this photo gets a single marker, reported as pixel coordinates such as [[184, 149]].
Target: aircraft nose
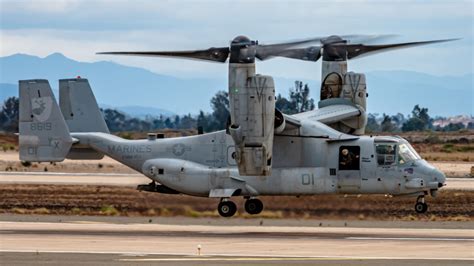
[[439, 177]]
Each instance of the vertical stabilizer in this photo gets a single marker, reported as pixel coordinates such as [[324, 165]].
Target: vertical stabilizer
[[44, 136], [79, 106], [82, 114]]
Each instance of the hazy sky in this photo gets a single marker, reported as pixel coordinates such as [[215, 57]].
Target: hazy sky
[[78, 29]]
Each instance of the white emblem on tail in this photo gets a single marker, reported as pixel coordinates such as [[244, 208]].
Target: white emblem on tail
[[41, 107]]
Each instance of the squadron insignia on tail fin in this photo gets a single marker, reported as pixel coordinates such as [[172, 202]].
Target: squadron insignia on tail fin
[[44, 136]]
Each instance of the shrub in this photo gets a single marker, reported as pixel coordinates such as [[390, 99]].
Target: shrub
[[26, 163]]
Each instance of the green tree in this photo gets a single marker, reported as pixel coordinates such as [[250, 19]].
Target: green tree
[[158, 123], [203, 121], [454, 127], [187, 122], [387, 125], [177, 122], [398, 120], [372, 124], [115, 120], [220, 110], [283, 104], [420, 120], [168, 123], [299, 98], [9, 115], [298, 101]]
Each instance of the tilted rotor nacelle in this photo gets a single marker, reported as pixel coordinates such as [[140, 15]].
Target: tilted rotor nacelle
[[252, 109], [253, 119]]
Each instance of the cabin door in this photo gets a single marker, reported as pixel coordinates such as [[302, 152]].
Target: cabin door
[[348, 174]]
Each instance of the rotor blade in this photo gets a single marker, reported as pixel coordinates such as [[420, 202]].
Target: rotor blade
[[312, 53], [367, 39], [267, 51], [219, 54], [357, 50]]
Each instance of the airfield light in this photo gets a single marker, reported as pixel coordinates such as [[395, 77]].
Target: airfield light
[[199, 250]]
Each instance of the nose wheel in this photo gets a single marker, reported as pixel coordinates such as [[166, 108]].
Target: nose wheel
[[253, 206], [226, 208], [421, 206]]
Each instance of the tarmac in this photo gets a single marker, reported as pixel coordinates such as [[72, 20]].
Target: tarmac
[[79, 240], [88, 241], [132, 180]]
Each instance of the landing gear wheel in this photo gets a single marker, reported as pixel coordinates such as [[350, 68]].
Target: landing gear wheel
[[253, 206], [421, 207], [226, 208]]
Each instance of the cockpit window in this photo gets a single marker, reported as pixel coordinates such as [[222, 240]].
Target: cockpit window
[[406, 154], [385, 154]]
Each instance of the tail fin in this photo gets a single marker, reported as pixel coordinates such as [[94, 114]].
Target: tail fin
[[79, 107], [44, 136], [82, 114]]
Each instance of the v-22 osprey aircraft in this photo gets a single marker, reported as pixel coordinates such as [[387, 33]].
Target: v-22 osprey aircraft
[[262, 152]]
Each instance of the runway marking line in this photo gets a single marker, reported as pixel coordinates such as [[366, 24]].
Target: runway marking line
[[8, 173], [411, 238], [240, 259]]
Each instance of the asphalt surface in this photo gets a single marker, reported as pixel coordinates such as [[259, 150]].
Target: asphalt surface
[[83, 242], [132, 180], [78, 259]]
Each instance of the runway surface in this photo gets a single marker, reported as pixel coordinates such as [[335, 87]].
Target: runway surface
[[132, 180], [111, 179], [131, 243]]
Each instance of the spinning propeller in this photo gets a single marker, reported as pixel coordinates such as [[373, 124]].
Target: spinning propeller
[[241, 50], [339, 48], [244, 50]]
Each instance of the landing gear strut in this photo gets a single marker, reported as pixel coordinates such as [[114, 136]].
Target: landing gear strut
[[226, 208], [421, 206], [253, 206]]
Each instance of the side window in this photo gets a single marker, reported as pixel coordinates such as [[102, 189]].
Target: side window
[[349, 158], [385, 154]]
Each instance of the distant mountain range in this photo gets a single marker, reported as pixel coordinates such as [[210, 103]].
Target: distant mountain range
[[140, 92]]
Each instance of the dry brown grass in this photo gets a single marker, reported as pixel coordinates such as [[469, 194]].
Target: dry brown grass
[[103, 200], [448, 157]]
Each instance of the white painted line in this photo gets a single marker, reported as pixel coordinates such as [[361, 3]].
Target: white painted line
[[410, 238], [237, 259], [8, 173]]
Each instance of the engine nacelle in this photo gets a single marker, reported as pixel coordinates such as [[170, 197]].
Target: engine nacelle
[[352, 88], [252, 109]]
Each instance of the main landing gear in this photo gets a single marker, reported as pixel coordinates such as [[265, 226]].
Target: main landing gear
[[227, 208], [421, 206], [253, 206]]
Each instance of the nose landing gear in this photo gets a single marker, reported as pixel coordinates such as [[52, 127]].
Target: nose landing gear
[[253, 206], [421, 206]]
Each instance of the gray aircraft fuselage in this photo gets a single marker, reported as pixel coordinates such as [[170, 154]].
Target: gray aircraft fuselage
[[203, 165]]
